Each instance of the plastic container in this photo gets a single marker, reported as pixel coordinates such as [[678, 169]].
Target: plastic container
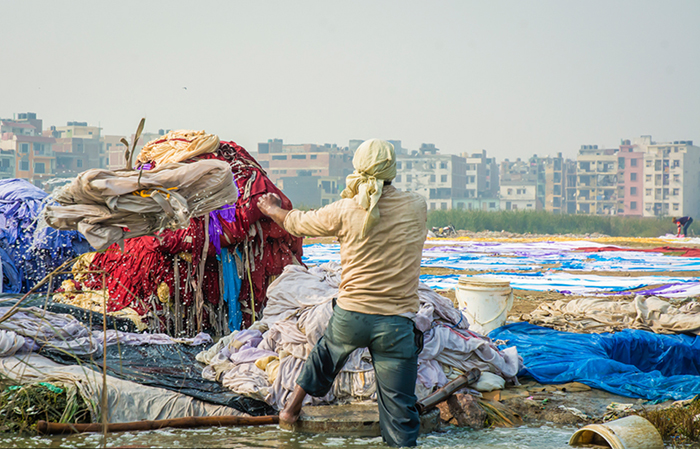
[[630, 432], [484, 301]]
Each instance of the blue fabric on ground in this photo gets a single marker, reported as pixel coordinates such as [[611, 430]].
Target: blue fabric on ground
[[232, 289], [631, 363], [35, 248], [10, 276]]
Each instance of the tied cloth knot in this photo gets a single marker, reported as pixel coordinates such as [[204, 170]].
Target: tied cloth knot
[[374, 162]]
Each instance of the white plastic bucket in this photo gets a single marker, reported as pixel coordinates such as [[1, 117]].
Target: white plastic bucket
[[484, 301], [630, 432]]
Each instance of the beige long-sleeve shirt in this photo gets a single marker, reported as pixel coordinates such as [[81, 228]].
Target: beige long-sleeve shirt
[[381, 270]]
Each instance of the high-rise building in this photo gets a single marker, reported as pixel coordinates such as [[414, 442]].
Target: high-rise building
[[630, 180], [596, 183], [570, 187], [482, 175], [671, 180], [555, 184]]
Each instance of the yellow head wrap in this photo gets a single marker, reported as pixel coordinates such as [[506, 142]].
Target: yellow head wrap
[[374, 162]]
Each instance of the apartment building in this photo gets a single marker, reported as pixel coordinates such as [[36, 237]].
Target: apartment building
[[78, 147], [570, 187], [630, 180], [671, 181], [596, 180], [7, 164], [557, 173], [519, 185], [282, 160], [311, 191], [440, 178], [311, 175], [26, 153], [481, 175]]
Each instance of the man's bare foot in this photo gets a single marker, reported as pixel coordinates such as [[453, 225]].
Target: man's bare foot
[[290, 414]]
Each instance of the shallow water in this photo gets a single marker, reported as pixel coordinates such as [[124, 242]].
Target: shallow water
[[545, 437]]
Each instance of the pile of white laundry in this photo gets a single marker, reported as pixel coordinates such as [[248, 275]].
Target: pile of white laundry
[[263, 362]]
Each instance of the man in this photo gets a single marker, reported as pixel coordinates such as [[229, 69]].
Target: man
[[685, 223], [381, 233]]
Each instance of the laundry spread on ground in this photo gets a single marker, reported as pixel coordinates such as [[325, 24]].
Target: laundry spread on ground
[[602, 315], [543, 266], [566, 283], [480, 256], [264, 361]]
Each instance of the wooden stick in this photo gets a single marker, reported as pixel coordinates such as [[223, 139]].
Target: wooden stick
[[53, 428]]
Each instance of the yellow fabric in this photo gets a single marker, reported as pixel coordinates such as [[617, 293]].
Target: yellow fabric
[[374, 162], [272, 370], [262, 362], [164, 293], [82, 265], [381, 268], [94, 300], [177, 146]]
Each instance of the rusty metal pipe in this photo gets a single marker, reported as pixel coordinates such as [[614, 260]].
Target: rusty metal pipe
[[53, 428], [445, 392]]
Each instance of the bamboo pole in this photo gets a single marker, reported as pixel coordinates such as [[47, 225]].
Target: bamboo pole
[[52, 428]]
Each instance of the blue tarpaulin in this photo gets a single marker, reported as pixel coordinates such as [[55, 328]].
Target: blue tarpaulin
[[34, 249], [631, 363], [10, 276]]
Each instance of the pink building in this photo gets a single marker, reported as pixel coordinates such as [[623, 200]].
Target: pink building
[[630, 179]]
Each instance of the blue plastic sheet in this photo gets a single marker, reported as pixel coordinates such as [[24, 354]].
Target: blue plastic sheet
[[35, 249], [631, 363], [10, 276]]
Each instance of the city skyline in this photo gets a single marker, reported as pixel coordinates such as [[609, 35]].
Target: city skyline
[[512, 78]]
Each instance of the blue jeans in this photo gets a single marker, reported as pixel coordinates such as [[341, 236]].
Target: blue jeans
[[686, 226], [394, 343]]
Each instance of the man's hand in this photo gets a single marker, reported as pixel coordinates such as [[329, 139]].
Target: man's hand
[[270, 204]]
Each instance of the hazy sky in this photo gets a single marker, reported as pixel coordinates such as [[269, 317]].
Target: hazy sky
[[512, 77]]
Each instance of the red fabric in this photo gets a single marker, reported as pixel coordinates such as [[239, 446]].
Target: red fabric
[[133, 276], [279, 248], [685, 252]]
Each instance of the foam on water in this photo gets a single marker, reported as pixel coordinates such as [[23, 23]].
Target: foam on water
[[545, 437]]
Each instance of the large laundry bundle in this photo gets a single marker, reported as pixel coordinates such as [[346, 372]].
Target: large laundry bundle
[[263, 362], [102, 203], [28, 247], [210, 273]]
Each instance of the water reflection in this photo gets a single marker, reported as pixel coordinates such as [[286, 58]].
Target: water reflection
[[545, 437]]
